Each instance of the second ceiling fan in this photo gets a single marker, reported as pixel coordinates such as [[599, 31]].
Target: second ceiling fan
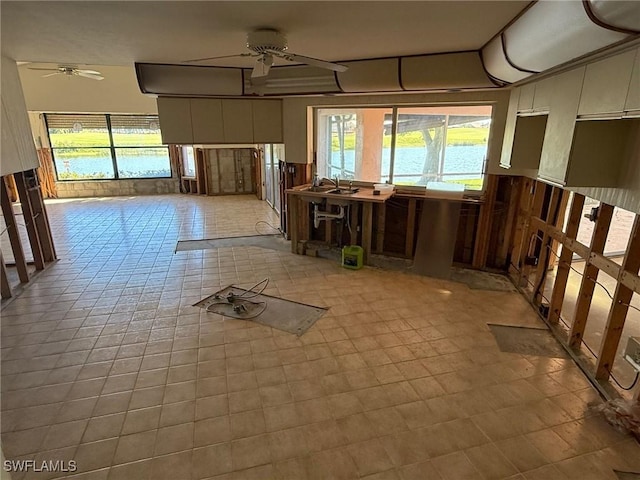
[[268, 44]]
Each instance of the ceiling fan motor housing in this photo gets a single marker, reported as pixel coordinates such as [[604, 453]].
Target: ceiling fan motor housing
[[261, 41]]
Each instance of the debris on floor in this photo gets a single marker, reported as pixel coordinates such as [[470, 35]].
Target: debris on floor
[[482, 280], [624, 415]]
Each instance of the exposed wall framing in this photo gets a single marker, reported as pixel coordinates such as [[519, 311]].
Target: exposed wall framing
[[539, 228], [36, 221]]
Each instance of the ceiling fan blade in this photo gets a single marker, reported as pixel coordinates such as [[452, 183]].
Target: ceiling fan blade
[[51, 74], [262, 66], [292, 57], [91, 72], [218, 58], [45, 69], [89, 75]]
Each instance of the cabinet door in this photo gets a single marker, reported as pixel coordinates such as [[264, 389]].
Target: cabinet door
[[543, 94], [206, 118], [606, 84], [510, 129], [525, 102], [237, 116], [174, 115], [267, 121], [560, 126], [633, 96]]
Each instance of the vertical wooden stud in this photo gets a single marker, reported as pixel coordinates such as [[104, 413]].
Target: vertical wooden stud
[[411, 229], [619, 306], [34, 240], [562, 272], [545, 253], [590, 276], [481, 246], [380, 224], [12, 230], [367, 224], [5, 288]]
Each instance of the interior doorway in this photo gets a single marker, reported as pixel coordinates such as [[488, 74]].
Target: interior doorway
[[273, 155]]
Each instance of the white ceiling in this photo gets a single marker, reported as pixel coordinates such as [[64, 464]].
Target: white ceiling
[[120, 33]]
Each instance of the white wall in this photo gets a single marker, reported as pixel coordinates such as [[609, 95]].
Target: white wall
[[117, 93], [17, 152], [297, 117]]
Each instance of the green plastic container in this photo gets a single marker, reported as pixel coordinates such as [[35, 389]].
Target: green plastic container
[[352, 257]]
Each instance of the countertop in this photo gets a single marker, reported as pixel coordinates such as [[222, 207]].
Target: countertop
[[363, 195]]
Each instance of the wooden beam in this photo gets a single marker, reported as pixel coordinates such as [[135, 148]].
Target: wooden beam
[[293, 222], [510, 226], [34, 240], [14, 234], [534, 208], [411, 228], [590, 275], [5, 288], [521, 225], [562, 272], [485, 218], [545, 254], [619, 307], [381, 212], [367, 224], [354, 212], [40, 216]]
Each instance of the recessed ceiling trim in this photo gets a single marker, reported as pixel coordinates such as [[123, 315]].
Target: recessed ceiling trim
[[593, 16], [503, 42]]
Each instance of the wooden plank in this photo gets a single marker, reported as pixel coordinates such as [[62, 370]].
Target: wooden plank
[[534, 211], [380, 224], [367, 224], [517, 246], [562, 272], [619, 307], [485, 218], [293, 221], [328, 232], [411, 228], [605, 265], [41, 220], [509, 228], [5, 288], [545, 253], [578, 248], [631, 281], [590, 275], [354, 212], [32, 232], [14, 234]]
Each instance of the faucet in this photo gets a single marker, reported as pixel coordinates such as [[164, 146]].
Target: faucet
[[336, 182]]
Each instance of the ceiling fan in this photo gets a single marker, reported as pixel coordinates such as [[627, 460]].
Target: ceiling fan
[[268, 44], [70, 71]]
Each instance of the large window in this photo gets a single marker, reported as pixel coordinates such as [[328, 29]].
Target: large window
[[90, 147], [435, 146]]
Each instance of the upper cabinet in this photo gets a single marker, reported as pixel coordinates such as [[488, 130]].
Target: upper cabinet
[[606, 85], [206, 119], [267, 121], [565, 99], [237, 119], [543, 93], [219, 121], [174, 115]]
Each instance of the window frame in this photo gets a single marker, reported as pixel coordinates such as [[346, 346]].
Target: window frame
[[394, 118], [112, 148]]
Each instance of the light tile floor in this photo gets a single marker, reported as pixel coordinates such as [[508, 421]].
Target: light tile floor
[[105, 361]]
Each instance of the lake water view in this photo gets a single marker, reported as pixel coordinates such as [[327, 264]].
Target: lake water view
[[129, 166], [461, 162]]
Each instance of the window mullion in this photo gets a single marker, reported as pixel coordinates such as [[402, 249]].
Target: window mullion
[[112, 148], [392, 153]]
